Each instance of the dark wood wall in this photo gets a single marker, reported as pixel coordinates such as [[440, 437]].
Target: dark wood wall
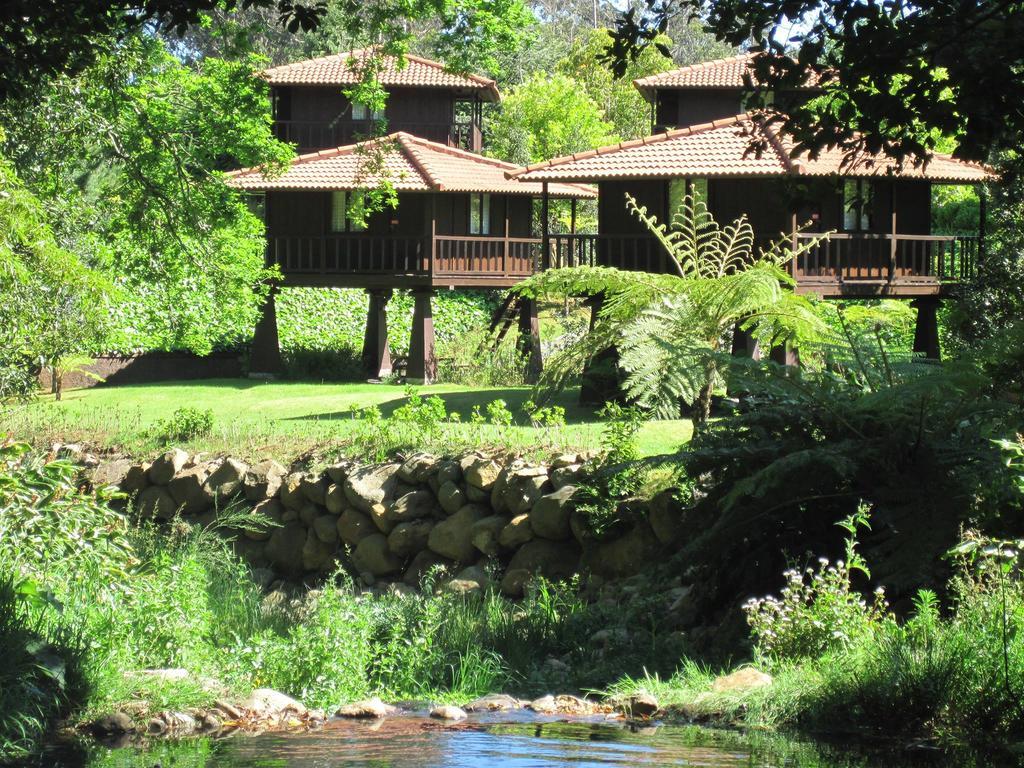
[[328, 103], [680, 108], [614, 218]]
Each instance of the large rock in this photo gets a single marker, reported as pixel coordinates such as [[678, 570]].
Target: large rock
[[411, 506], [516, 533], [267, 515], [421, 565], [189, 489], [165, 467], [269, 703], [317, 555], [381, 520], [284, 548], [448, 472], [447, 712], [370, 486], [338, 472], [482, 473], [550, 516], [469, 580], [626, 555], [563, 476], [111, 473], [314, 488], [665, 515], [744, 679], [290, 492], [417, 468], [523, 489], [226, 480], [493, 702], [453, 538], [263, 480], [409, 538], [309, 513], [485, 533], [135, 479], [156, 502], [335, 500], [367, 709], [450, 497], [354, 526], [373, 556], [554, 560], [326, 529]]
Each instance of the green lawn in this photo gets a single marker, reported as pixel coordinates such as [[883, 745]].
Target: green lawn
[[285, 419]]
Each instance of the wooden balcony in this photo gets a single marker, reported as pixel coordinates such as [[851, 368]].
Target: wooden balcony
[[311, 135], [845, 265], [360, 260]]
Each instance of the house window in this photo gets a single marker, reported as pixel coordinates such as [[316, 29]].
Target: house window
[[340, 220], [858, 204], [256, 202], [480, 214], [678, 188], [361, 111]]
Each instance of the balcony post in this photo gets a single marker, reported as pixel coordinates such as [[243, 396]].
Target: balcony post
[[982, 216], [794, 243], [892, 243], [545, 240], [376, 355], [926, 330], [507, 245], [422, 368]]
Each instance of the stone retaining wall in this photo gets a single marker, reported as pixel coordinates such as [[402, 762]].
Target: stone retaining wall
[[394, 521]]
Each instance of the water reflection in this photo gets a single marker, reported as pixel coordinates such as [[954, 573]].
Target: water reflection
[[499, 741]]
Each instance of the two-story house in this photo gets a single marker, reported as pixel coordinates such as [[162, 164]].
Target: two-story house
[[459, 221], [877, 211]]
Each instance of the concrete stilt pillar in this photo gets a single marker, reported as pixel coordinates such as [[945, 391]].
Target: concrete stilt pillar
[[376, 355], [601, 381], [529, 339], [785, 355], [265, 350], [422, 358], [926, 332], [744, 344]]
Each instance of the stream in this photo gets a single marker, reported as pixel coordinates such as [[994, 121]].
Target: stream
[[501, 740]]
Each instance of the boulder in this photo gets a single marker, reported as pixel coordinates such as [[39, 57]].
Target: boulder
[[485, 533], [417, 468], [409, 538], [326, 529], [523, 491], [482, 473], [189, 489], [334, 499], [494, 702], [642, 705], [354, 526], [368, 708], [448, 472], [369, 486], [373, 556], [317, 555], [135, 479], [156, 502], [290, 492], [453, 538], [411, 506], [111, 473], [554, 560], [448, 712], [266, 702], [550, 516], [514, 581], [744, 679], [337, 473], [565, 460], [266, 515], [113, 724], [166, 466], [314, 488], [665, 514], [381, 521], [563, 476], [253, 552], [226, 480], [263, 480], [625, 555], [310, 512], [476, 495], [450, 497], [421, 564], [284, 548], [516, 533]]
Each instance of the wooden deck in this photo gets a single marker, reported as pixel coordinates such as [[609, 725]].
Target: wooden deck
[[845, 265]]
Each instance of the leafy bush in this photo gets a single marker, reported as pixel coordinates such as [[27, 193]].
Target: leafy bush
[[185, 423]]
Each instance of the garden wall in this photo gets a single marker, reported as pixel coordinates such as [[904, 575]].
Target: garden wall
[[479, 516], [151, 366]]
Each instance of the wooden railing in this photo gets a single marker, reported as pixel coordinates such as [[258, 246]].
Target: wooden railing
[[492, 256], [355, 253], [847, 257], [321, 134]]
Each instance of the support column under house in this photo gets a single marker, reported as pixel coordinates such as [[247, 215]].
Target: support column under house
[[926, 331], [422, 367], [529, 339], [376, 356], [265, 350]]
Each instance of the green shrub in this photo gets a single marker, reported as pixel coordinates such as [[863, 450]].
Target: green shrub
[[185, 423]]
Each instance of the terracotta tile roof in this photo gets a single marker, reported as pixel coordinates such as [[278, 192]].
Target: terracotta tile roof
[[344, 69], [410, 163], [720, 73], [721, 149]]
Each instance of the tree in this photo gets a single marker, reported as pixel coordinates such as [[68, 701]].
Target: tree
[[895, 76], [545, 117], [126, 155], [622, 104], [53, 306], [669, 328]]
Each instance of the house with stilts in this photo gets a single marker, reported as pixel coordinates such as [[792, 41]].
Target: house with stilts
[[459, 221], [877, 211]]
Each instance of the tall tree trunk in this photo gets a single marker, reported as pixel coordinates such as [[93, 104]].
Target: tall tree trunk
[[703, 410]]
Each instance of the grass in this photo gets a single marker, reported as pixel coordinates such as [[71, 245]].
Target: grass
[[254, 419]]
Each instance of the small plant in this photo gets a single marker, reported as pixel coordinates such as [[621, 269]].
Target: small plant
[[186, 423], [498, 413], [818, 610]]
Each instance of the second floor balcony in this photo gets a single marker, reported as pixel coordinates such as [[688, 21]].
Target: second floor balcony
[[313, 135]]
